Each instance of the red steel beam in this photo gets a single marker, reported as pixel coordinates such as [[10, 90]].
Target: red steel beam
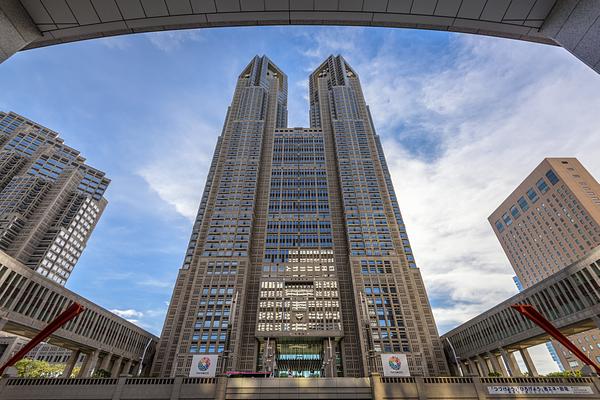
[[529, 312], [71, 312]]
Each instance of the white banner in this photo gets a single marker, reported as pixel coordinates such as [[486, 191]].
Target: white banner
[[395, 365], [204, 366], [558, 389]]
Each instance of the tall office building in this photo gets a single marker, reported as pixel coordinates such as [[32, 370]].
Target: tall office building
[[550, 221], [299, 262], [50, 199]]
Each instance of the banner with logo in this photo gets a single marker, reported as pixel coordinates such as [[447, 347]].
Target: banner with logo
[[204, 366], [395, 365]]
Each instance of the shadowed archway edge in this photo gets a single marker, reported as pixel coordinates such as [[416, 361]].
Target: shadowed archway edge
[[571, 24], [246, 19]]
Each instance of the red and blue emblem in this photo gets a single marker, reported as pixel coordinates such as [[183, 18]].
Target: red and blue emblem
[[204, 364], [395, 363]]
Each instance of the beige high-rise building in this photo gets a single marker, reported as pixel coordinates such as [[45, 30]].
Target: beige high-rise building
[[50, 199], [299, 262], [551, 220]]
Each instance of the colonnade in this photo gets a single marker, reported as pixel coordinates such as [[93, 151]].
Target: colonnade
[[500, 361], [116, 365]]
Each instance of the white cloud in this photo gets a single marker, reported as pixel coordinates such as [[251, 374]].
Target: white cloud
[[177, 168], [525, 111], [156, 283], [169, 41], [150, 319], [128, 314], [115, 42], [491, 114]]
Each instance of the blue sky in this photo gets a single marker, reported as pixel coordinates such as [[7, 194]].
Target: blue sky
[[463, 120]]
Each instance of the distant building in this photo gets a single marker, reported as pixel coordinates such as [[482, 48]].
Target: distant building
[[50, 199], [518, 283], [299, 262], [11, 344], [551, 220]]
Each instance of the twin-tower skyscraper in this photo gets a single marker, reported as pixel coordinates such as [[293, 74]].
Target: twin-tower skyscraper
[[299, 262]]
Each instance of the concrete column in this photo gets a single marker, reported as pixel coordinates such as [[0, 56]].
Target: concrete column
[[511, 363], [3, 321], [17, 29], [468, 367], [528, 362], [70, 364], [495, 364], [176, 390], [126, 367], [479, 388], [221, 389], [329, 356], [455, 370], [503, 369], [89, 365], [420, 384], [116, 368], [8, 352], [483, 366], [105, 362], [575, 25], [119, 389]]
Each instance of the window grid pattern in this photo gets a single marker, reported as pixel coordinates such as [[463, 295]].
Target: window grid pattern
[[299, 288]]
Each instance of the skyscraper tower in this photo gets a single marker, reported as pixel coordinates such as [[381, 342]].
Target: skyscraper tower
[[299, 262], [50, 199]]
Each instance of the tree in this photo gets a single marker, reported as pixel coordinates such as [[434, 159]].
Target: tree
[[564, 374], [101, 373], [28, 368]]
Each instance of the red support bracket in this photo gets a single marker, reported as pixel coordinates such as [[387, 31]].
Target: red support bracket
[[529, 312], [71, 312]]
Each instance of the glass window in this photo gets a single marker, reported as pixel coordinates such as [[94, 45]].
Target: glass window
[[499, 226], [507, 219], [515, 212], [552, 177], [542, 185], [523, 203], [532, 194]]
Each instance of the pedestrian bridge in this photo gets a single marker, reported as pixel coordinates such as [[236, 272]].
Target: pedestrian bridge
[[572, 24], [29, 301], [569, 299]]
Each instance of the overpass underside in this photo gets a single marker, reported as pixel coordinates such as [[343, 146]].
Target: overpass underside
[[572, 24], [29, 302]]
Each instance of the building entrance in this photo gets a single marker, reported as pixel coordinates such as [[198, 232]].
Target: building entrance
[[301, 358]]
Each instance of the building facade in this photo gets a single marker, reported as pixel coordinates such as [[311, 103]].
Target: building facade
[[299, 262], [50, 199], [550, 221]]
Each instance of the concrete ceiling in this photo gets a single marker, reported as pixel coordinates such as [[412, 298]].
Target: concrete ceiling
[[572, 24]]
